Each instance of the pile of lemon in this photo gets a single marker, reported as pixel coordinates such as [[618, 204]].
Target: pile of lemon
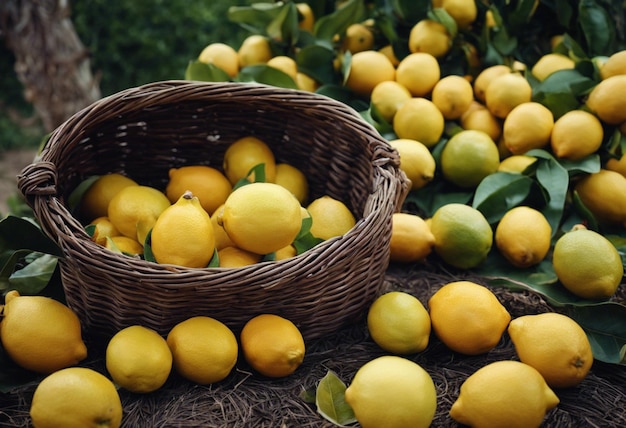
[[253, 209]]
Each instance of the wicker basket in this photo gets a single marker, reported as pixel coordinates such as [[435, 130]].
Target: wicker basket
[[143, 132]]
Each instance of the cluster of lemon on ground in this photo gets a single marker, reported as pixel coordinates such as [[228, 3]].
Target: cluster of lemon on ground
[[232, 217]]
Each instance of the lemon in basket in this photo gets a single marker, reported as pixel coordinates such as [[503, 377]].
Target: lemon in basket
[[246, 153], [76, 397], [234, 257], [204, 349], [261, 217], [138, 359], [95, 201], [294, 180], [209, 184], [183, 234], [331, 217]]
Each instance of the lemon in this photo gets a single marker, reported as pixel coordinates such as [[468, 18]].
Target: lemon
[[504, 394], [294, 180], [463, 237], [419, 119], [486, 76], [387, 97], [244, 154], [587, 264], [138, 359], [103, 228], [40, 334], [306, 82], [95, 201], [399, 323], [416, 161], [617, 164], [358, 38], [124, 244], [272, 345], [463, 12], [392, 391], [222, 240], [331, 217], [306, 17], [518, 136], [255, 49], [209, 184], [135, 209], [431, 37], [286, 64], [576, 134], [523, 236], [234, 257], [411, 238], [467, 317], [221, 55], [418, 72], [183, 234], [261, 217], [614, 65], [606, 102], [516, 164], [388, 51], [604, 194], [478, 118], [468, 157], [505, 92], [555, 345], [452, 95], [368, 69], [549, 63], [76, 397], [204, 349], [285, 253]]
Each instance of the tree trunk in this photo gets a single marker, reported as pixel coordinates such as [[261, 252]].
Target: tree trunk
[[50, 60]]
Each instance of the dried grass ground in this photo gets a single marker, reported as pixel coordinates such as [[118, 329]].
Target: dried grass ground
[[246, 400]]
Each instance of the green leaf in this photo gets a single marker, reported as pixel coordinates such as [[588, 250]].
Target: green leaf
[[305, 240], [203, 72], [596, 26], [17, 233], [317, 61], [284, 26], [435, 194], [587, 165], [442, 16], [584, 212], [148, 255], [215, 260], [35, 276], [77, 194], [499, 192], [330, 400], [562, 91], [257, 171], [262, 73], [411, 10], [255, 18], [338, 21]]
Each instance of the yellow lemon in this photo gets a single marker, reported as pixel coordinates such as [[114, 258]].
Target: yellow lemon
[[124, 244], [138, 359], [135, 209], [516, 164], [392, 391], [505, 92], [103, 228], [555, 345], [294, 180], [209, 184], [306, 17], [368, 69], [463, 237], [467, 317], [576, 134], [41, 334], [306, 82], [222, 240], [221, 55], [478, 118], [549, 63], [419, 119], [286, 252], [617, 165], [331, 217], [606, 100], [234, 257], [418, 72], [587, 264], [519, 137], [463, 12], [504, 394], [76, 397], [452, 95], [604, 194], [286, 64], [261, 217], [244, 154], [411, 238], [431, 37], [486, 76], [388, 51], [523, 236], [614, 65], [468, 157], [255, 49], [398, 322], [416, 161], [183, 234], [204, 349], [387, 97], [95, 201], [272, 345], [358, 38]]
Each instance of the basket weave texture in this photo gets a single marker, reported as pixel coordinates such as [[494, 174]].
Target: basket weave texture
[[143, 132]]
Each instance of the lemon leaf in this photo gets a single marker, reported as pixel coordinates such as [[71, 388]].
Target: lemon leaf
[[215, 260], [197, 70], [265, 74], [147, 248], [77, 194], [330, 400], [338, 21], [499, 192]]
